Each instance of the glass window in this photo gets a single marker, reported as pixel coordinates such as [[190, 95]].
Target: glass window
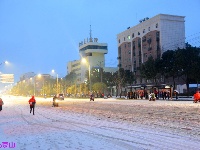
[[156, 25], [133, 35]]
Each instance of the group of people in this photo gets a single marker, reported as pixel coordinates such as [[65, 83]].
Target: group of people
[[163, 94], [137, 94]]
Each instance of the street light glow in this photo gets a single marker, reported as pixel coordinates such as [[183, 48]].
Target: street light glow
[[39, 75], [84, 60]]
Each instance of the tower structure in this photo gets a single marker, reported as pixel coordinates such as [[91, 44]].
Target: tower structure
[[94, 53]]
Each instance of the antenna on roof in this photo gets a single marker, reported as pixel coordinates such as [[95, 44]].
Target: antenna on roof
[[90, 34]]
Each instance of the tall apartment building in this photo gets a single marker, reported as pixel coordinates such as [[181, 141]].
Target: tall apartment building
[[151, 37]]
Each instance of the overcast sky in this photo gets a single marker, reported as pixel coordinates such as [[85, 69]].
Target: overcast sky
[[41, 35]]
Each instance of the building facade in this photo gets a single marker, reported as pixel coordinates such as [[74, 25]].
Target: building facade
[[151, 37]]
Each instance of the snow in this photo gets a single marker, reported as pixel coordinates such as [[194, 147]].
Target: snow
[[67, 127]]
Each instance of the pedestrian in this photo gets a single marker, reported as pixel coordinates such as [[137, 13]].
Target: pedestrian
[[32, 102], [1, 103], [176, 93], [129, 95]]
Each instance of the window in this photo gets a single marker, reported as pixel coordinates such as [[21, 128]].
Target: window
[[139, 43], [144, 39], [149, 29], [129, 52], [124, 39], [157, 34], [150, 48], [119, 40], [133, 35], [143, 30], [149, 40], [138, 33], [156, 25], [133, 43], [128, 37], [93, 47]]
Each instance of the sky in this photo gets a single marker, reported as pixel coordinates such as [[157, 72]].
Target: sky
[[41, 35]]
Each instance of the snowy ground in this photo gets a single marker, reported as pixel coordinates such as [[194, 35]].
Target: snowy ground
[[104, 124]]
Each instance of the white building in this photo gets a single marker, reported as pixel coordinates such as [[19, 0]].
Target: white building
[[94, 53]]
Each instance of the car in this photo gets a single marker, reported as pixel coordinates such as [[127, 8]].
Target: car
[[60, 97]]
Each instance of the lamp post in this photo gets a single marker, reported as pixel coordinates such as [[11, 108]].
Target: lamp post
[[53, 71], [43, 82], [85, 61], [39, 75], [31, 81], [34, 83], [34, 86]]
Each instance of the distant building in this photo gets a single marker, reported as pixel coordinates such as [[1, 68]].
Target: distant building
[[32, 78], [151, 37], [27, 76]]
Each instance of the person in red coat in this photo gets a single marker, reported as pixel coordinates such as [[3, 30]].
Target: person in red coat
[[1, 103], [196, 97], [32, 102]]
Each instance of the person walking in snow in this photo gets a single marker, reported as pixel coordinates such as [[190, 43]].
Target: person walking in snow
[[32, 102], [1, 103]]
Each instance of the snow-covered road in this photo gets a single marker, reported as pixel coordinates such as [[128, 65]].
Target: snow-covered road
[[57, 129]]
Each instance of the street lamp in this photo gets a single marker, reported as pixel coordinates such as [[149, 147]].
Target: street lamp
[[85, 61], [43, 82], [39, 75], [53, 71]]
